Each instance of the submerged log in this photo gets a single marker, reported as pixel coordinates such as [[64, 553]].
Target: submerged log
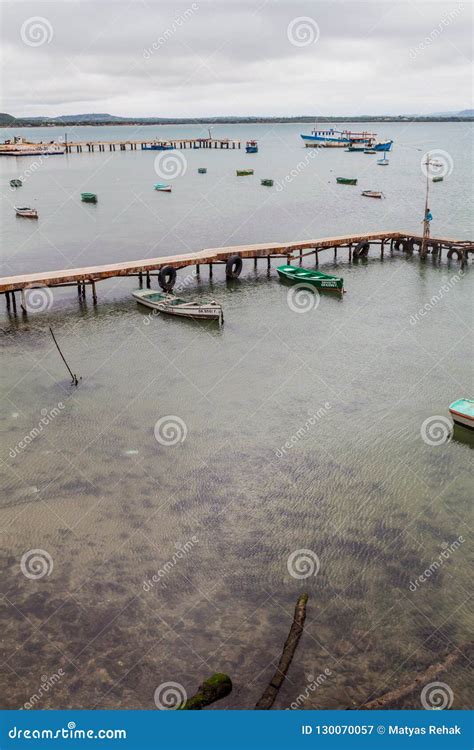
[[268, 698], [211, 690], [394, 696]]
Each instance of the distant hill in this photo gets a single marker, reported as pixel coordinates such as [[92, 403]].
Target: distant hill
[[98, 119]]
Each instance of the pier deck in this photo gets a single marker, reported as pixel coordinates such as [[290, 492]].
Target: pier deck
[[358, 246], [139, 144]]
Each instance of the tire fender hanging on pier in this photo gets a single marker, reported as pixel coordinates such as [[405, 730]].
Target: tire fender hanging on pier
[[233, 267], [361, 250], [167, 278], [405, 245]]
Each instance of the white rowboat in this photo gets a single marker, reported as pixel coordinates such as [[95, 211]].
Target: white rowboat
[[171, 305]]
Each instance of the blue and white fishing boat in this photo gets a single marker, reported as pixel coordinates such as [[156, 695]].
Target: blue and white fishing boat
[[383, 146], [251, 147], [158, 146], [336, 138]]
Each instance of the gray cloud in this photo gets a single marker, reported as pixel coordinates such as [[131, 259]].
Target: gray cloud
[[144, 57]]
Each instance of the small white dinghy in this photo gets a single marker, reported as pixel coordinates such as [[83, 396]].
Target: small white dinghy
[[29, 213], [462, 412], [171, 305]]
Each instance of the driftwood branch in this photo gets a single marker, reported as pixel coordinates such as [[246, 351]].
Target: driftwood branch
[[394, 696], [211, 690], [268, 698]]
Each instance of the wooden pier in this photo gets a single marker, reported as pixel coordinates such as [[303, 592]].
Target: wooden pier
[[137, 145], [165, 267]]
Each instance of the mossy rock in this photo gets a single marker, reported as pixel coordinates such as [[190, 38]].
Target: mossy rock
[[211, 690]]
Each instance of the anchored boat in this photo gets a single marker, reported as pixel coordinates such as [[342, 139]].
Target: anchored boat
[[316, 278], [89, 197], [243, 172], [384, 146], [158, 146], [462, 412], [202, 170], [372, 194], [28, 213], [383, 162], [16, 183], [267, 183], [346, 180], [162, 188], [251, 147], [434, 179], [336, 138], [171, 305], [355, 148]]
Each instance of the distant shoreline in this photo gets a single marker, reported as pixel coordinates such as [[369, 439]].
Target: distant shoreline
[[24, 123]]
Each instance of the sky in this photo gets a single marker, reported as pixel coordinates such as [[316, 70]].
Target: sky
[[206, 58]]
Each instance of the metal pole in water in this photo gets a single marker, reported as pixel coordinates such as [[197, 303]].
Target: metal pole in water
[[73, 376]]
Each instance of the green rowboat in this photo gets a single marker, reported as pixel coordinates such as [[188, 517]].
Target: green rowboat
[[16, 183], [244, 172], [438, 179], [346, 180], [89, 197], [202, 170], [315, 278], [267, 183]]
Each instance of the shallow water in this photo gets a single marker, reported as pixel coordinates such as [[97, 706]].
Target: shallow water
[[346, 387]]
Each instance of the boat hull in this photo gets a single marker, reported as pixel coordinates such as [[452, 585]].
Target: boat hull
[[385, 146], [317, 279], [462, 413], [158, 147], [192, 311]]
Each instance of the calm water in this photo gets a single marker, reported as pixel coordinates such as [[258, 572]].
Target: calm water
[[359, 487]]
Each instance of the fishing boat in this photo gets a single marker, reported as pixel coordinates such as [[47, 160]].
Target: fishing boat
[[171, 305], [337, 138], [462, 412], [158, 146], [251, 147], [16, 183], [384, 146], [243, 172], [383, 162], [266, 182], [434, 179], [355, 148], [89, 197], [346, 180], [369, 151], [202, 170], [18, 146], [28, 213], [372, 194], [316, 278], [162, 188]]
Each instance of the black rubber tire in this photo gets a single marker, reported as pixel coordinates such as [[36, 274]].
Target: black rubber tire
[[454, 253], [167, 278], [405, 245], [361, 250], [233, 267]]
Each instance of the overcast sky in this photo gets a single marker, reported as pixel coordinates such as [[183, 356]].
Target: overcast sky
[[191, 59]]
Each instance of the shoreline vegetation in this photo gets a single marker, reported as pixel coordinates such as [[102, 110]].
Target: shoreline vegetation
[[105, 120]]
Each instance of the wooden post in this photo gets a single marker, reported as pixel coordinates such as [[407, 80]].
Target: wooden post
[[269, 262], [14, 303], [7, 299], [198, 269], [140, 279], [335, 253], [23, 302], [94, 293], [148, 282], [79, 289], [210, 270], [350, 253], [287, 260], [381, 248], [255, 263], [316, 258]]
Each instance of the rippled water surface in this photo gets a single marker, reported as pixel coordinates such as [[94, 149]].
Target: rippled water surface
[[295, 431]]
